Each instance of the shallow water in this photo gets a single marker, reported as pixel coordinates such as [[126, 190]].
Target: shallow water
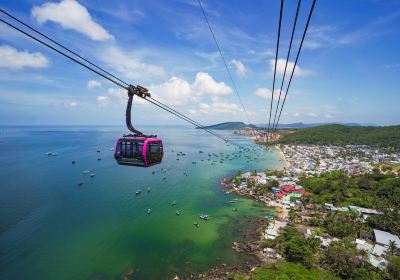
[[50, 228]]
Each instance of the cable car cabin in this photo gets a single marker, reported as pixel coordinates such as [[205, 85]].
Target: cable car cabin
[[138, 151]]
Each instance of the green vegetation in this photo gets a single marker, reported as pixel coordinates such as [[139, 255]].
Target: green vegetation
[[231, 126], [347, 262], [376, 190], [394, 267], [334, 134], [294, 247], [285, 271]]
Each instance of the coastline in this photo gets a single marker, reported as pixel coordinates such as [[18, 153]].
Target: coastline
[[282, 155], [250, 246]]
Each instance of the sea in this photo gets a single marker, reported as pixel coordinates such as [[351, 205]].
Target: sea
[[58, 222]]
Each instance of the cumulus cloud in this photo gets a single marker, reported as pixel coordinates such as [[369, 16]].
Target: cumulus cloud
[[205, 84], [296, 114], [71, 15], [312, 114], [266, 93], [130, 64], [13, 59], [328, 116], [177, 91], [103, 100], [93, 84], [217, 106], [72, 104], [240, 68], [280, 68]]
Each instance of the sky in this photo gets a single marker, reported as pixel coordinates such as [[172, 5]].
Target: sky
[[348, 70]]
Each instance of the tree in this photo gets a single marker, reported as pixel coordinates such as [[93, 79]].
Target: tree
[[392, 247], [393, 267]]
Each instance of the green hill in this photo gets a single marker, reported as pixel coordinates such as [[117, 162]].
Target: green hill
[[377, 136], [231, 125]]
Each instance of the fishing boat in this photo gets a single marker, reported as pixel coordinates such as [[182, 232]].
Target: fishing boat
[[149, 211], [196, 224], [173, 203], [204, 217], [92, 175], [148, 189], [177, 212], [138, 192], [235, 209]]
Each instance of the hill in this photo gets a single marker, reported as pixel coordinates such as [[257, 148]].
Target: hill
[[335, 134], [231, 125], [304, 125]]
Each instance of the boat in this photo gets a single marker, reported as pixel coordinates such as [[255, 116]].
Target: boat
[[73, 162], [148, 189], [173, 202], [86, 172], [235, 209], [196, 224], [92, 175], [177, 212], [80, 184], [138, 192], [149, 211], [204, 217]]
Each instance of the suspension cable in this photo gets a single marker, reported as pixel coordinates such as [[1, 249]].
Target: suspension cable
[[295, 63], [223, 60], [276, 62], [60, 45], [287, 61], [153, 101]]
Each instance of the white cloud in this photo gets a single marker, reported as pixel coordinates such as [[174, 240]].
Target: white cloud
[[71, 15], [177, 91], [103, 100], [13, 59], [328, 116], [130, 64], [280, 68], [72, 104], [93, 84], [313, 115], [263, 92], [296, 115], [217, 106], [266, 93], [240, 68], [205, 84]]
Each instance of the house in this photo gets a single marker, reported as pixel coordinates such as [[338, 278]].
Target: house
[[383, 238]]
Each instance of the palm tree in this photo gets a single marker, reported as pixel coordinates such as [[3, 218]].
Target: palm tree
[[392, 247]]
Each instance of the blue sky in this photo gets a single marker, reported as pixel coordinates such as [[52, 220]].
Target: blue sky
[[348, 71]]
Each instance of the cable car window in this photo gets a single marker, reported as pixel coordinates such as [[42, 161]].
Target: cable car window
[[154, 152]]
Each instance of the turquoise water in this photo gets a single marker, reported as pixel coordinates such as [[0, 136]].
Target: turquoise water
[[51, 228]]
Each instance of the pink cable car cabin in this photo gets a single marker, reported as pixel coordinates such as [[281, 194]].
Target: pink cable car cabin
[[137, 149]]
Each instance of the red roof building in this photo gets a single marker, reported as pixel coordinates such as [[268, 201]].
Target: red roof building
[[279, 195], [288, 188]]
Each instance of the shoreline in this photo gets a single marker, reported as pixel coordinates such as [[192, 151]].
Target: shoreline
[[282, 155]]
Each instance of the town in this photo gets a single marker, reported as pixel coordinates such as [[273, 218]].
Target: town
[[352, 159], [281, 189]]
